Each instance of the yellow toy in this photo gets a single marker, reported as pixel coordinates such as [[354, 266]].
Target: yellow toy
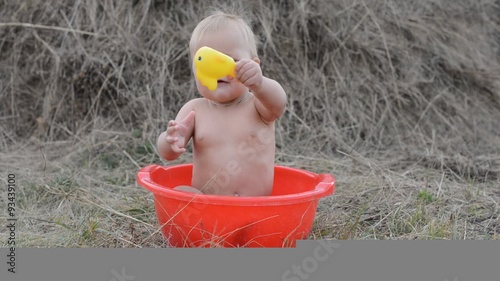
[[212, 65]]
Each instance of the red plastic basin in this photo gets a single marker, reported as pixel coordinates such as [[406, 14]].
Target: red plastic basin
[[201, 220]]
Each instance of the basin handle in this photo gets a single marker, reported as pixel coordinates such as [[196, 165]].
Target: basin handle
[[144, 174], [327, 184]]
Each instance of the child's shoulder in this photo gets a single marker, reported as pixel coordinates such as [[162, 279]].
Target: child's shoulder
[[195, 102]]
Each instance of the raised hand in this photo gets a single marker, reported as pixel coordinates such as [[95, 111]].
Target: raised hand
[[248, 72], [177, 132]]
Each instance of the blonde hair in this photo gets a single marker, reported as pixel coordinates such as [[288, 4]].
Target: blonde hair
[[219, 20]]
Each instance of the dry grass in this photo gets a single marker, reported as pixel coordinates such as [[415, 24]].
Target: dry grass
[[399, 100]]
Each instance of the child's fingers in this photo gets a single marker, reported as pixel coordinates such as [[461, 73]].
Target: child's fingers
[[177, 149], [171, 130], [247, 65], [241, 64], [172, 136], [244, 67], [249, 77], [247, 72], [241, 76], [174, 128], [171, 126], [171, 139], [245, 76]]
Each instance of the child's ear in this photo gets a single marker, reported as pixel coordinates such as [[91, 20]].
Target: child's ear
[[256, 59]]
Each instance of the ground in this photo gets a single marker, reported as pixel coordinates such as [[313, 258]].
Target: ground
[[85, 195]]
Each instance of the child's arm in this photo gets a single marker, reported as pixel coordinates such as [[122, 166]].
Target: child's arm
[[172, 143], [271, 98]]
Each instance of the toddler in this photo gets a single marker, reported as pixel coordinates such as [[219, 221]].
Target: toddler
[[232, 127]]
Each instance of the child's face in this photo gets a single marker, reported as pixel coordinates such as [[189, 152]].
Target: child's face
[[230, 42]]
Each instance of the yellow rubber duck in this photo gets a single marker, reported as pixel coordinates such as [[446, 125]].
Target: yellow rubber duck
[[212, 65]]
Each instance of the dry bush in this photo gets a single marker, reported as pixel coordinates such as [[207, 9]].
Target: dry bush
[[420, 77]]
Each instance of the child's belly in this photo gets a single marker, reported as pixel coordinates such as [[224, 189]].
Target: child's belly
[[234, 170]]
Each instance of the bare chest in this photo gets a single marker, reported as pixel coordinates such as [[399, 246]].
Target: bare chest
[[232, 126]]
